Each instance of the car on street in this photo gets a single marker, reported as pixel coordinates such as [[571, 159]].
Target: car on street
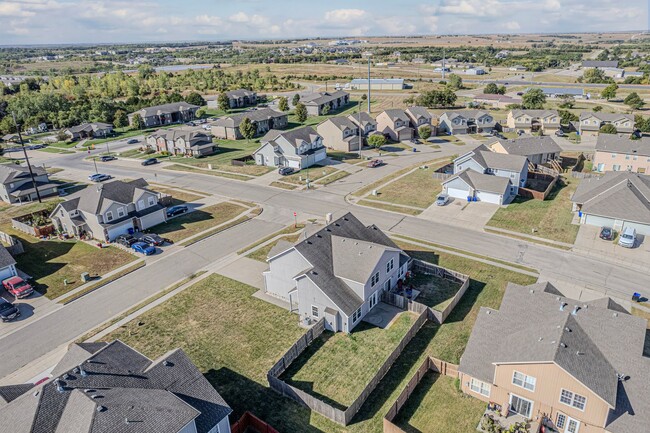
[[17, 287], [150, 161], [442, 199], [606, 233], [101, 177], [107, 158], [286, 171], [132, 141], [628, 238], [143, 248], [153, 240], [375, 163], [8, 311], [126, 240], [177, 210], [560, 133]]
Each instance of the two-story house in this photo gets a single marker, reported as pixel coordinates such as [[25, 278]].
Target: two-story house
[[111, 387], [181, 141], [16, 184], [105, 211], [338, 273], [420, 116], [241, 98], [531, 121], [466, 122], [266, 119], [591, 122], [363, 120], [619, 153], [299, 148], [538, 150], [340, 133], [89, 130], [483, 175], [574, 366], [316, 102], [166, 114], [395, 124]]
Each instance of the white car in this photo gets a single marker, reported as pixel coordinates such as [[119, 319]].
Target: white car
[[442, 200], [628, 238]]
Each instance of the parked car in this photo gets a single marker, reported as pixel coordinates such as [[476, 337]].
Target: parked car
[[415, 141], [99, 177], [132, 141], [93, 176], [107, 158], [18, 287], [126, 240], [8, 311], [150, 161], [442, 199], [628, 238], [560, 133], [153, 240], [286, 171], [177, 210], [143, 248], [375, 163], [606, 233]]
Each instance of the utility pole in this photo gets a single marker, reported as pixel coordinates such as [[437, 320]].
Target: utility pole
[[360, 139], [368, 83], [29, 166], [443, 64]]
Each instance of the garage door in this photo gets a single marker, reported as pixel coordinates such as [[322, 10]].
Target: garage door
[[7, 272], [152, 219], [642, 229], [598, 221], [116, 231], [488, 197], [321, 156], [457, 193], [293, 163]]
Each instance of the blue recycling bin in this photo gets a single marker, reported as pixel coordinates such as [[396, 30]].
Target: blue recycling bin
[[469, 199], [131, 231], [580, 213]]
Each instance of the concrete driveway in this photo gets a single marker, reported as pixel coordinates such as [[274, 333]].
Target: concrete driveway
[[589, 242], [458, 212]]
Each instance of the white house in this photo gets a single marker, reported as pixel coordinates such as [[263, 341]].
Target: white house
[[299, 148]]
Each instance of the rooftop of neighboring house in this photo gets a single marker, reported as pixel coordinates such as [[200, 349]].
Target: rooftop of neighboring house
[[496, 97], [526, 146], [481, 181], [295, 136], [600, 64], [561, 91], [366, 119], [173, 107], [342, 122], [614, 143], [321, 98], [188, 134], [87, 127], [418, 111], [95, 197], [345, 248], [396, 114], [12, 172], [535, 113], [6, 259], [240, 93], [466, 114], [378, 81], [593, 341], [606, 117], [254, 115], [110, 387], [616, 194], [488, 159]]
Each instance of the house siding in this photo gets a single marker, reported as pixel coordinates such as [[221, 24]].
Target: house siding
[[279, 279], [610, 161]]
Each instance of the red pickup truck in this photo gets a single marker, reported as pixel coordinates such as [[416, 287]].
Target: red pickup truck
[[18, 287]]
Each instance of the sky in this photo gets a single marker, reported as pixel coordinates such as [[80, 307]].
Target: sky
[[107, 21]]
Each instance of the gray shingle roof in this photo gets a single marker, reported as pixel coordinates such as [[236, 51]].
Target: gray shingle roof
[[342, 122], [467, 114], [535, 113], [365, 119], [194, 137], [6, 259], [528, 146], [600, 64], [614, 143], [92, 198], [154, 396], [174, 107], [418, 112], [254, 115], [87, 127], [10, 172], [482, 182], [488, 159], [322, 97], [606, 117], [239, 93], [397, 114], [294, 136]]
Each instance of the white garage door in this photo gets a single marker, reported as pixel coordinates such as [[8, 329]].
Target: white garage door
[[321, 156], [293, 163], [488, 197], [7, 272], [152, 219], [598, 221], [642, 229], [116, 231], [457, 193]]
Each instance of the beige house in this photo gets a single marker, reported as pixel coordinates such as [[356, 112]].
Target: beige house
[[181, 141], [466, 122], [420, 116], [395, 124], [538, 150], [264, 120], [363, 120], [339, 133], [617, 153], [166, 114], [316, 102], [591, 122], [530, 121], [574, 366]]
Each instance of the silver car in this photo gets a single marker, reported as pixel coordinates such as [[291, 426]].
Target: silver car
[[628, 238], [442, 200]]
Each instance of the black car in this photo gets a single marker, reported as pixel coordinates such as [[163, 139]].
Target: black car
[[286, 171], [153, 240], [8, 311], [177, 210], [150, 161], [107, 158], [606, 233], [126, 240]]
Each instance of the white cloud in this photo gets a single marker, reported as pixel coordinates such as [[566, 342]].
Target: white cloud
[[345, 16], [512, 25], [552, 5]]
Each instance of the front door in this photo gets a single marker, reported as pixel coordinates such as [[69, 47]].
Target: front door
[[521, 406], [572, 425]]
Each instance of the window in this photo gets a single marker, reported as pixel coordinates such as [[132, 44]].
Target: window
[[356, 315], [616, 167], [314, 311], [151, 200], [614, 155], [561, 420], [140, 204], [390, 265], [521, 406], [374, 280], [120, 212], [573, 400], [480, 387], [109, 216], [627, 156], [526, 382]]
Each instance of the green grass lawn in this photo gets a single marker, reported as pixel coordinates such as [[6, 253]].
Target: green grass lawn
[[178, 167], [438, 406], [195, 222], [333, 178], [262, 253], [312, 173], [178, 196], [349, 157], [551, 218], [418, 189], [435, 292], [385, 206]]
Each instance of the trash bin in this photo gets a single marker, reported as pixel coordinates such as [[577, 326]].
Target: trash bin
[[131, 231], [85, 277]]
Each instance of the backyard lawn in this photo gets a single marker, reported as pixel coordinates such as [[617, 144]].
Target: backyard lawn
[[337, 367], [435, 292], [197, 221], [550, 218]]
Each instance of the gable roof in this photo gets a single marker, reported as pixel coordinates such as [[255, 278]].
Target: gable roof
[[355, 259], [606, 117], [240, 93], [527, 146], [365, 118], [191, 135], [174, 107], [342, 122], [322, 97], [542, 114], [600, 64], [418, 111], [396, 114], [488, 159], [294, 136], [378, 81], [92, 198], [254, 115], [87, 127], [467, 114], [482, 182], [10, 172], [118, 389], [615, 143]]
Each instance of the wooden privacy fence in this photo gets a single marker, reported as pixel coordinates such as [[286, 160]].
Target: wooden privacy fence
[[29, 223], [441, 176], [428, 365], [540, 178], [250, 421], [14, 246]]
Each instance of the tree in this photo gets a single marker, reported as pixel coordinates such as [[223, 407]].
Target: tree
[[634, 101], [200, 113], [424, 132], [295, 100], [145, 71], [608, 129], [437, 98], [247, 128], [598, 108], [491, 89], [594, 75], [568, 101], [376, 140], [326, 110], [195, 99], [364, 97], [534, 99], [120, 120], [609, 92], [502, 90], [567, 117], [300, 112], [223, 101], [455, 82], [641, 123], [283, 104], [137, 122]]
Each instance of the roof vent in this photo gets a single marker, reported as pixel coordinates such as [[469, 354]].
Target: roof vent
[[575, 310], [615, 314], [532, 291], [622, 377], [308, 242], [541, 339], [318, 236], [100, 409], [166, 363], [66, 376], [567, 329], [563, 345], [488, 312], [557, 298], [89, 390], [562, 305], [579, 353], [59, 385], [96, 396], [337, 225], [83, 372], [36, 393]]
